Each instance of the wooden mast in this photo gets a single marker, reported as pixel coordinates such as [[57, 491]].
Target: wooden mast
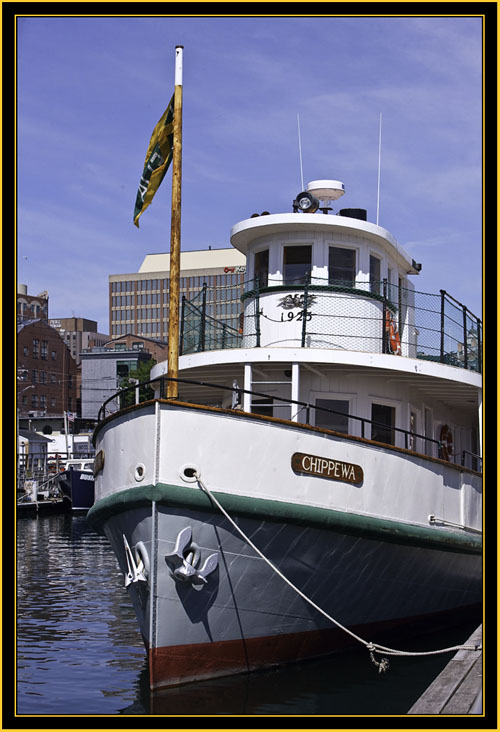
[[175, 233]]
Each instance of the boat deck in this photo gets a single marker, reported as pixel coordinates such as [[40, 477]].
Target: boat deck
[[458, 688]]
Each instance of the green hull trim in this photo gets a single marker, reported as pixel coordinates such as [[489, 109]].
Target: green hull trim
[[367, 527]]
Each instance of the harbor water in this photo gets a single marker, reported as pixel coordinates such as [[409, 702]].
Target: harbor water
[[79, 651]]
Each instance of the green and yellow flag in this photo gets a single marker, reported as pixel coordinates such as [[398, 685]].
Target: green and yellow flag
[[158, 158]]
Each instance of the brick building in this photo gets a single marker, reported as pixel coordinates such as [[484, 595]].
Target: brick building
[[130, 342], [31, 306], [46, 371]]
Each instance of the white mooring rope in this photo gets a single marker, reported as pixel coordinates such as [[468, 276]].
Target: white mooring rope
[[383, 665]]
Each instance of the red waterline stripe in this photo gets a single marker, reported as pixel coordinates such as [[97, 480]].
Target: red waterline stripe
[[181, 664]]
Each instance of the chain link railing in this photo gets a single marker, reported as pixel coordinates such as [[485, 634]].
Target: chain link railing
[[201, 329], [374, 317]]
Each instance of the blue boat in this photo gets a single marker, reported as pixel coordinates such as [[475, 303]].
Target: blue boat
[[77, 484]]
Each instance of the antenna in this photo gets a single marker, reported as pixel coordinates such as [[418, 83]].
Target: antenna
[[379, 156], [300, 156]]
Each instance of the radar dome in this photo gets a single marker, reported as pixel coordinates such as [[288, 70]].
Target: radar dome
[[326, 190]]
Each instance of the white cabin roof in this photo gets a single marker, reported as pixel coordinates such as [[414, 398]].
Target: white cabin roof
[[246, 231]]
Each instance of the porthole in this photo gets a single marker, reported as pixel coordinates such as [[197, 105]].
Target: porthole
[[189, 473], [140, 472]]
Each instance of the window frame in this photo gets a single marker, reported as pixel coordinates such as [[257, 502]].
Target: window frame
[[375, 284], [390, 404], [296, 281], [414, 439], [262, 276], [428, 430], [350, 398], [355, 253]]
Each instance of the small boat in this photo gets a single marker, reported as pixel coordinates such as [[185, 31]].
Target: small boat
[[76, 483], [39, 497], [310, 478]]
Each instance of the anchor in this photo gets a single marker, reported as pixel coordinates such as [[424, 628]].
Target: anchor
[[185, 558], [134, 571]]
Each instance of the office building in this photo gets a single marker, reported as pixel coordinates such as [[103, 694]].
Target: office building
[[79, 334], [138, 302], [103, 372]]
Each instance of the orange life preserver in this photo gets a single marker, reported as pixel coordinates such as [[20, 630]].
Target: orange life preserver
[[392, 331], [445, 443]]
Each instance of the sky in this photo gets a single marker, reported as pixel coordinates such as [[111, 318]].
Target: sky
[[90, 91]]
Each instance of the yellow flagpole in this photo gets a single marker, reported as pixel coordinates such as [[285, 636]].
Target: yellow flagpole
[[175, 233]]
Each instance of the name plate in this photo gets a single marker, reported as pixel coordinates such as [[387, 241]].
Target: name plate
[[326, 468]]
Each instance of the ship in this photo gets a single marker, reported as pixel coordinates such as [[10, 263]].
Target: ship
[[311, 477]]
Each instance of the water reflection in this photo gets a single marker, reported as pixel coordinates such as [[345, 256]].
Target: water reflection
[[80, 651], [78, 644]]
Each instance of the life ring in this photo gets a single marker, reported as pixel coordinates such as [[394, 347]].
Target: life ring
[[392, 331], [445, 443]]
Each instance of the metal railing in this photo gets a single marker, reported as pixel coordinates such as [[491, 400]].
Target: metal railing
[[432, 447], [398, 321]]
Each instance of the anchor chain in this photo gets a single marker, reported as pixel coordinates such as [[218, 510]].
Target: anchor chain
[[383, 664]]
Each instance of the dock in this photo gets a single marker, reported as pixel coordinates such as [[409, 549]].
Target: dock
[[33, 508], [458, 688]]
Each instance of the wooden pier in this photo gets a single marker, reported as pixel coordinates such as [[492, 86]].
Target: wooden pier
[[458, 688], [33, 508]]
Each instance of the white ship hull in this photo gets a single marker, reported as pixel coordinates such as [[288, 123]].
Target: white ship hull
[[346, 520]]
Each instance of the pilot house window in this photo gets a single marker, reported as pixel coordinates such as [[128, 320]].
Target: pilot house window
[[375, 275], [261, 265], [341, 266], [296, 265]]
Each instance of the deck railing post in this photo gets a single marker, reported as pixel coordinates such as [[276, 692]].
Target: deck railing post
[[441, 346], [304, 309], [384, 318], [466, 356], [201, 342], [479, 346], [183, 309], [257, 312]]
